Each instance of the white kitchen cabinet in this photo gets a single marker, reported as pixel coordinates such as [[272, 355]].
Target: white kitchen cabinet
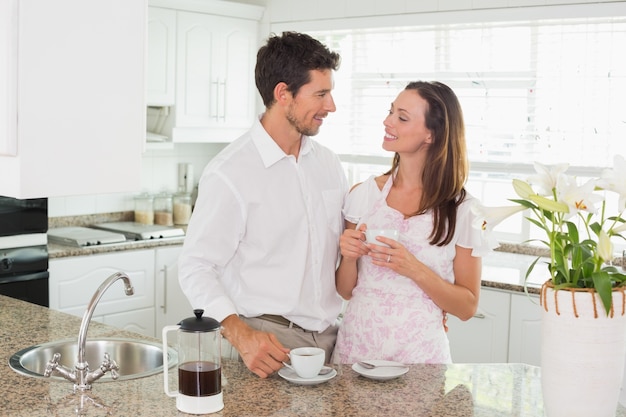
[[485, 337], [74, 280], [171, 304], [505, 329], [525, 329], [73, 96], [215, 89], [160, 71]]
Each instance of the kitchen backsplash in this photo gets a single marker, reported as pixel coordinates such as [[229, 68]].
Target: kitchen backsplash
[[159, 172]]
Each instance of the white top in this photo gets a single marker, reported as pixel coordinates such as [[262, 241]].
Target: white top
[[390, 317], [362, 198], [264, 234]]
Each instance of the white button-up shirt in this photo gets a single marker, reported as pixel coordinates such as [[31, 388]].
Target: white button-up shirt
[[264, 234]]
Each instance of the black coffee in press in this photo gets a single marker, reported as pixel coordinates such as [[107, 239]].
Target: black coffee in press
[[199, 379]]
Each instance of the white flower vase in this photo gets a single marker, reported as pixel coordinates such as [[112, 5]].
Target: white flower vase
[[582, 352]]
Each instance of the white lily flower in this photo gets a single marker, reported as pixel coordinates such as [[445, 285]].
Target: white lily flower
[[605, 247], [522, 189], [547, 176], [489, 217], [578, 198], [615, 180]]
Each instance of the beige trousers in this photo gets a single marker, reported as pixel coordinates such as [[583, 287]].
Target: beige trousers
[[290, 337]]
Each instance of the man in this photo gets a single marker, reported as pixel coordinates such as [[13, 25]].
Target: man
[[262, 243]]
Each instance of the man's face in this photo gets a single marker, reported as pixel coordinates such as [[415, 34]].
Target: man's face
[[312, 103]]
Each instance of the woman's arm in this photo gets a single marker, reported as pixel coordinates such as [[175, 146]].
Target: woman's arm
[[352, 248]]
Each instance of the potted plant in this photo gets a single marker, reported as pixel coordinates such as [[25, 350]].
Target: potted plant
[[583, 301]]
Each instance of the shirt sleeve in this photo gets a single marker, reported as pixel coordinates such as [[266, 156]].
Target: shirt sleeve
[[359, 200], [467, 235], [212, 238]]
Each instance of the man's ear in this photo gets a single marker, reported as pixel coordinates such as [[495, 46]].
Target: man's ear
[[281, 93]]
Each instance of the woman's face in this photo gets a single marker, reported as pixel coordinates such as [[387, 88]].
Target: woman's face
[[405, 125]]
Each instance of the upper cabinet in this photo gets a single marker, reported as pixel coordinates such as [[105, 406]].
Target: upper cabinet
[[72, 102], [160, 75], [212, 64], [215, 77]]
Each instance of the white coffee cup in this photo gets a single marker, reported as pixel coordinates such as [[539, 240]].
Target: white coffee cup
[[307, 362], [370, 235]]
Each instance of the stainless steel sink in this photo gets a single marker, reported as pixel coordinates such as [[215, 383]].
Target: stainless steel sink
[[135, 358]]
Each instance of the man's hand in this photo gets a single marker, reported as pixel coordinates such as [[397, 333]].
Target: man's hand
[[262, 353]]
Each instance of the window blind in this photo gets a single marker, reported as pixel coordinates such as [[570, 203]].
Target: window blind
[[548, 91]]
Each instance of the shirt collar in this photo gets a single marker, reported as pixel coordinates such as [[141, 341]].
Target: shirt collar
[[269, 151]]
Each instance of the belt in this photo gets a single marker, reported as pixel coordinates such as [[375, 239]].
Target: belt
[[280, 320]]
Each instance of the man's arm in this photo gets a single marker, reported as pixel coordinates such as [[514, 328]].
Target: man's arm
[[262, 353]]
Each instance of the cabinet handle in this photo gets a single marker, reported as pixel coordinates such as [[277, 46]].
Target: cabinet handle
[[164, 305], [216, 95], [222, 100], [479, 316]]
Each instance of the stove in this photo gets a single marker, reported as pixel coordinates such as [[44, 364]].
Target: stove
[[83, 236], [139, 231]]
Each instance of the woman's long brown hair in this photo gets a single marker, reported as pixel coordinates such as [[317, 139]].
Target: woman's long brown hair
[[447, 167]]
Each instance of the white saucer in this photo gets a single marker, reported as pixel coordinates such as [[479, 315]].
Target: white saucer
[[291, 376], [383, 373]]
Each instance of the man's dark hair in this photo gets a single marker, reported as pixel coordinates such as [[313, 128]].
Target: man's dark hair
[[289, 58]]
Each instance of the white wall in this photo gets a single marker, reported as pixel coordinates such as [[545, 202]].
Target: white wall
[[159, 172]]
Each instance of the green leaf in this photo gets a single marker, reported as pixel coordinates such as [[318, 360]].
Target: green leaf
[[525, 203], [602, 284], [572, 231]]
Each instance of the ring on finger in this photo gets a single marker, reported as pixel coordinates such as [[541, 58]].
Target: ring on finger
[[388, 258]]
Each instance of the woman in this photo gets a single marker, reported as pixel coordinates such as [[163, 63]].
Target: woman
[[399, 294]]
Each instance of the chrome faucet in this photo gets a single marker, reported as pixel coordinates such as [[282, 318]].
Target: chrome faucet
[[80, 375]]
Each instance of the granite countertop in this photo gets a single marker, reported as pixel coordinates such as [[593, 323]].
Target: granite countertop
[[426, 390], [64, 251], [459, 390]]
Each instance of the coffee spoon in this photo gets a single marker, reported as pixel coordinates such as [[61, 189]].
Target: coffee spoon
[[370, 365], [325, 371]]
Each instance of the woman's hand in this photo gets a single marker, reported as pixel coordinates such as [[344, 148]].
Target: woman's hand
[[352, 243], [352, 247], [393, 255]]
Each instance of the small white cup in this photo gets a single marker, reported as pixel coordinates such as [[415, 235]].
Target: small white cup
[[370, 235], [307, 362]]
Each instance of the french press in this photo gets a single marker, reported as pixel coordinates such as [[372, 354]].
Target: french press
[[199, 365]]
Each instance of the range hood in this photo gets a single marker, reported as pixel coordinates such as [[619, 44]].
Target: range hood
[[140, 231]]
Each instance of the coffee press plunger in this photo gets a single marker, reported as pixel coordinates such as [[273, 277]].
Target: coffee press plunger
[[199, 365]]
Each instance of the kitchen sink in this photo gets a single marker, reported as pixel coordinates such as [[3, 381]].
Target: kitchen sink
[[135, 358]]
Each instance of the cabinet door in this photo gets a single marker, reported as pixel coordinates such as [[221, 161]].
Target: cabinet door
[[483, 338], [171, 304], [138, 321], [160, 82], [8, 78], [236, 62], [215, 87], [525, 331], [73, 281], [79, 77]]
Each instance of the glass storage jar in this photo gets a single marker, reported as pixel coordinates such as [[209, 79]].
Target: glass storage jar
[[144, 209], [163, 210], [182, 208]]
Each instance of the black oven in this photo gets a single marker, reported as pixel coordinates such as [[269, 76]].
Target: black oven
[[23, 249]]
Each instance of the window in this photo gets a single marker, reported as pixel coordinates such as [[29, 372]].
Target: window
[[550, 91]]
